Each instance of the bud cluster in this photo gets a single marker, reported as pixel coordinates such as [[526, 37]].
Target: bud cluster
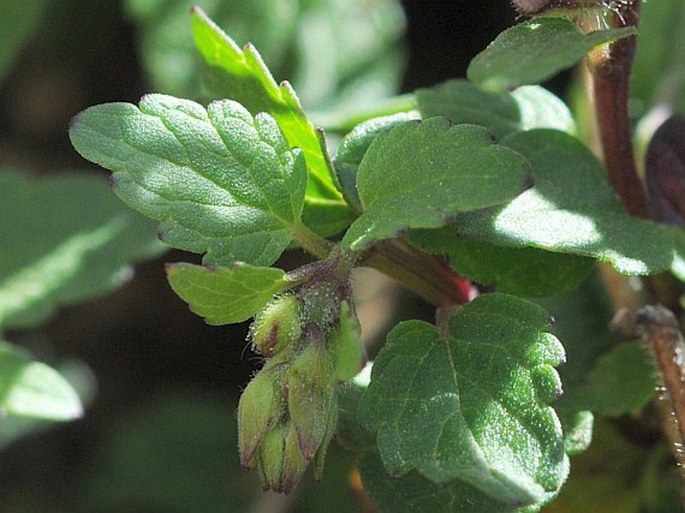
[[288, 413]]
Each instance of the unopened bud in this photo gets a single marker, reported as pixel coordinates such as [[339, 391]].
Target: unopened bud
[[321, 302], [344, 343], [277, 326], [260, 408], [270, 459], [331, 424], [294, 463], [310, 393]]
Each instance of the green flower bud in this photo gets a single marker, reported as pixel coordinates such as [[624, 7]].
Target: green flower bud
[[277, 326], [321, 302], [270, 459], [345, 345], [294, 463], [260, 408], [310, 395], [331, 425]]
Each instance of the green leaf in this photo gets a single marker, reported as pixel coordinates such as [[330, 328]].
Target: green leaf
[[472, 404], [66, 239], [419, 175], [32, 389], [353, 147], [622, 381], [527, 272], [226, 295], [658, 76], [413, 493], [166, 40], [220, 181], [572, 209], [504, 113], [534, 51], [242, 76], [18, 21]]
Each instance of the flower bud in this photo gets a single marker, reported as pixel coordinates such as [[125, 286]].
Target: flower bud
[[261, 406], [344, 344], [321, 302], [331, 425], [294, 463], [270, 459], [277, 326], [310, 393]]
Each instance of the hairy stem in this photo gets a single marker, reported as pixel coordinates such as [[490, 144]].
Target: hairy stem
[[311, 242]]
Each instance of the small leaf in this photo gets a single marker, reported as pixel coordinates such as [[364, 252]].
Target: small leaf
[[352, 149], [226, 295], [572, 209], [32, 389], [534, 51], [69, 239], [622, 381], [419, 175], [505, 113], [527, 272], [473, 406], [220, 181], [243, 76]]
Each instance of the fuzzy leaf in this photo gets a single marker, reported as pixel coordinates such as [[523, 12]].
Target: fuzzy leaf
[[419, 175], [528, 272], [34, 390], [534, 51], [66, 239], [243, 76], [504, 113], [572, 209], [220, 181], [472, 406], [226, 295]]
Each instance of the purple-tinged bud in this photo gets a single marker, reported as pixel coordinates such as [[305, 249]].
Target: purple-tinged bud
[[277, 326], [345, 346], [260, 408], [294, 463], [310, 393], [270, 458]]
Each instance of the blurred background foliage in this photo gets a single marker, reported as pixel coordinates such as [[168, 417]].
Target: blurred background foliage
[[161, 387]]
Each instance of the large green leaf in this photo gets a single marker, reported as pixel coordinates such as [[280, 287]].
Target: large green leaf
[[504, 113], [534, 51], [572, 209], [242, 76], [472, 404], [220, 181], [528, 272], [225, 295], [32, 389], [64, 239], [419, 175]]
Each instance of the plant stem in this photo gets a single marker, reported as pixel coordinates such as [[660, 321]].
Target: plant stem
[[311, 242], [610, 67], [423, 273]]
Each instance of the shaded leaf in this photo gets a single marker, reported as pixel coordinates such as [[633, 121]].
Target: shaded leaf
[[32, 389], [226, 295], [473, 406], [534, 51], [504, 113], [69, 239], [573, 210], [220, 181], [527, 272], [18, 21], [419, 175], [243, 76]]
